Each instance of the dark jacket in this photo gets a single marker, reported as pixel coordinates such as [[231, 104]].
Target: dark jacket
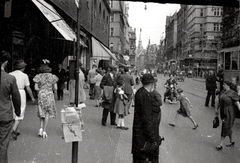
[[146, 123], [108, 81], [211, 82], [10, 97]]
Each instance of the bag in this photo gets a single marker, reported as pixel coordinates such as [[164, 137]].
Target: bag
[[150, 147], [215, 122]]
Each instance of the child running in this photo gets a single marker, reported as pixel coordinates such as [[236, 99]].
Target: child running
[[184, 109]]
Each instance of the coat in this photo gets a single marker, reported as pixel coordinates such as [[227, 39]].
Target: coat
[[108, 81], [145, 123], [211, 82]]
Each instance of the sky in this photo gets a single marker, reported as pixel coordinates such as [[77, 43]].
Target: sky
[[151, 21]]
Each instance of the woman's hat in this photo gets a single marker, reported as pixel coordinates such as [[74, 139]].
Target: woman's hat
[[147, 78], [19, 64], [45, 68]]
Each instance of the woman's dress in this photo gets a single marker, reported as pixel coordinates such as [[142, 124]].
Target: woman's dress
[[227, 101], [184, 106], [46, 101]]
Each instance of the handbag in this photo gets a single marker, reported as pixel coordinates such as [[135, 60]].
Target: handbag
[[216, 122]]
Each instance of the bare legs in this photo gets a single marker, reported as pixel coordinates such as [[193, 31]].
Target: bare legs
[[16, 124], [43, 126], [190, 117]]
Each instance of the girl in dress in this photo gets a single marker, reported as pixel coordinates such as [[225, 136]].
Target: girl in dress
[[184, 109], [120, 104], [45, 84]]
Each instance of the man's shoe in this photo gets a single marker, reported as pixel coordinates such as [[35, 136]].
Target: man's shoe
[[104, 124], [114, 124], [213, 105], [206, 105]]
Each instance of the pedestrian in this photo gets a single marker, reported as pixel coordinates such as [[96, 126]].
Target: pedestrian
[[220, 79], [61, 74], [10, 98], [22, 83], [228, 99], [146, 123], [211, 86], [120, 105], [184, 109], [108, 84], [97, 88], [128, 86], [92, 81], [46, 85], [81, 92]]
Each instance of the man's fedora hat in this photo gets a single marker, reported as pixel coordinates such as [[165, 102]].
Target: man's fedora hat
[[148, 78], [113, 66]]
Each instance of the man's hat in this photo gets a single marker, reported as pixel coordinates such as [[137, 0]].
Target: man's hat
[[147, 78], [19, 64]]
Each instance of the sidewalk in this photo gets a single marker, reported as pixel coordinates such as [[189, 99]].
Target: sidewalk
[[99, 143]]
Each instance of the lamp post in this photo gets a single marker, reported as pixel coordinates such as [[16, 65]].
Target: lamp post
[[78, 50]]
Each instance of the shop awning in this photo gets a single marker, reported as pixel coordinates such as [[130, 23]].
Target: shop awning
[[100, 50], [57, 21]]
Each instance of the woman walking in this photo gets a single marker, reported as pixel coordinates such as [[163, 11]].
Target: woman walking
[[45, 84], [22, 83], [97, 89], [184, 109], [228, 98]]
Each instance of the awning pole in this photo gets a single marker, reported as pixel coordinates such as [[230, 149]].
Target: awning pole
[[78, 55]]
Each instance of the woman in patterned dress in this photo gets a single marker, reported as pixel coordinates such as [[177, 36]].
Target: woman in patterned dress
[[45, 84]]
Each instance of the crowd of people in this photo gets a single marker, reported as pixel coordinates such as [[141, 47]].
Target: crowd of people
[[115, 91]]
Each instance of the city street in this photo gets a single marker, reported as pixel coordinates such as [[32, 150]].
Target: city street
[[109, 145]]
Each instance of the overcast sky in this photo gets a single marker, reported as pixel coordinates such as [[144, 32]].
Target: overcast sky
[[152, 21]]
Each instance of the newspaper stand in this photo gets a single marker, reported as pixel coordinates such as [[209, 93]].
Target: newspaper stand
[[72, 124]]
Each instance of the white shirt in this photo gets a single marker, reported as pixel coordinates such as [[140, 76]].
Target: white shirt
[[22, 79]]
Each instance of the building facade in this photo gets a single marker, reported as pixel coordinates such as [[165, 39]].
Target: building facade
[[42, 37]]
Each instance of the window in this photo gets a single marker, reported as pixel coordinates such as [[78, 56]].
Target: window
[[227, 60], [111, 3], [111, 46], [221, 11], [111, 31], [111, 18], [216, 11], [217, 27], [103, 14], [235, 60], [100, 8], [201, 12], [201, 27]]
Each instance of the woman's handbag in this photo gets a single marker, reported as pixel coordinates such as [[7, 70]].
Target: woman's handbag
[[216, 122]]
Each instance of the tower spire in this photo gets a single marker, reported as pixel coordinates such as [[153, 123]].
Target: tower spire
[[140, 40]]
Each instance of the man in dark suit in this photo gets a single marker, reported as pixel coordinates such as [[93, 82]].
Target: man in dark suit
[[61, 74], [147, 112], [108, 84], [211, 86], [10, 97]]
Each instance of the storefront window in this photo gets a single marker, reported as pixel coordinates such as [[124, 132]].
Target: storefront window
[[235, 60], [227, 60]]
